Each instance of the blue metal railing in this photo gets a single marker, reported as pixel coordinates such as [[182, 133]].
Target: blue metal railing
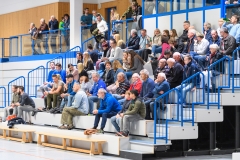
[[35, 76], [161, 127], [218, 78], [58, 59], [84, 43], [3, 100], [192, 95], [70, 56], [19, 81], [233, 8]]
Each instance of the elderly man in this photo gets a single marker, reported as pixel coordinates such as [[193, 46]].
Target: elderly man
[[121, 85], [133, 42], [162, 68], [178, 58], [214, 39], [161, 87], [41, 35], [190, 42], [109, 107], [228, 43], [79, 107], [175, 74], [92, 95], [146, 92], [15, 99], [200, 48], [215, 71], [189, 70], [53, 27]]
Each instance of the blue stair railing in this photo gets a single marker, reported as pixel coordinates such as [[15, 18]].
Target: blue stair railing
[[70, 56], [90, 40], [35, 77], [3, 100], [19, 81]]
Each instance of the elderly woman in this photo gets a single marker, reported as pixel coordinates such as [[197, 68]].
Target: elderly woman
[[207, 30], [214, 70]]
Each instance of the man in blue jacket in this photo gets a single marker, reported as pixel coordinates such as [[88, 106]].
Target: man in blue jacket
[[189, 70], [109, 107], [92, 95], [60, 71], [146, 91], [53, 27], [161, 87]]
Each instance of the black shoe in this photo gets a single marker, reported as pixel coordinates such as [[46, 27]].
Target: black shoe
[[33, 113], [125, 133], [70, 127], [52, 110]]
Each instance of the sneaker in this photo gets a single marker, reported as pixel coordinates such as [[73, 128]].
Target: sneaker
[[100, 131], [33, 113], [63, 127], [119, 134], [70, 127], [125, 133]]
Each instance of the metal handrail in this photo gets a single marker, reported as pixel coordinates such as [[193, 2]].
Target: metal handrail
[[4, 96], [86, 42], [9, 86]]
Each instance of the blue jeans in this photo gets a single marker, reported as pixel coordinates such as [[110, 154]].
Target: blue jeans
[[69, 99], [202, 61], [156, 49], [121, 101], [91, 101], [117, 122], [158, 109], [129, 74], [117, 96], [186, 88], [104, 119]]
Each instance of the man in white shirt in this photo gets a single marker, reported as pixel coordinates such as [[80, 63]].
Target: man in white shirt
[[102, 26]]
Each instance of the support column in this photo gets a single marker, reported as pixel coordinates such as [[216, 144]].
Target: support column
[[76, 10], [212, 135], [237, 111]]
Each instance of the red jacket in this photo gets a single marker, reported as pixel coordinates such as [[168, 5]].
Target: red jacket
[[165, 46], [137, 86]]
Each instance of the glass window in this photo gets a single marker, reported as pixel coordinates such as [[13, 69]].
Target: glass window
[[212, 2], [179, 5], [195, 4]]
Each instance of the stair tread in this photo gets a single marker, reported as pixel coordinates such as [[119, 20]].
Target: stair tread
[[136, 151], [149, 143]]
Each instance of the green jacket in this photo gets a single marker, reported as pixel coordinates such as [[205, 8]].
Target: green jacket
[[136, 107], [15, 98]]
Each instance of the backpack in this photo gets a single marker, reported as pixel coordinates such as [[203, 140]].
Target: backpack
[[14, 121]]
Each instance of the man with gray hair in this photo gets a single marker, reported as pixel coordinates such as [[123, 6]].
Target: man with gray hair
[[228, 43], [175, 74], [109, 107], [121, 85], [133, 42], [92, 95], [161, 87], [42, 36], [146, 92], [190, 42], [79, 107], [53, 26]]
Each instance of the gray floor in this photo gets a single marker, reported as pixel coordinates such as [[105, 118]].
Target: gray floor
[[11, 150]]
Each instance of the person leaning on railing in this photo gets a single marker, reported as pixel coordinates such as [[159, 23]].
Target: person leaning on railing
[[41, 37], [53, 29], [34, 34]]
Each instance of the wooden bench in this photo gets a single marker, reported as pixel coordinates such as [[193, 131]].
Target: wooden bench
[[9, 136], [91, 151]]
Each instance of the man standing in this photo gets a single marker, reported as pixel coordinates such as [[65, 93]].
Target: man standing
[[86, 18], [25, 104], [66, 28], [42, 36], [92, 95], [53, 27], [109, 107], [102, 26], [54, 93], [33, 32], [15, 99], [78, 108]]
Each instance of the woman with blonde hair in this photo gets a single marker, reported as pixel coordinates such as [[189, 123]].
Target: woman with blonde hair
[[173, 34], [157, 42], [81, 70], [87, 62]]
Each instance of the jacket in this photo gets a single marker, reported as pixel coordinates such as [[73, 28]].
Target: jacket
[[125, 106], [133, 43], [81, 102], [97, 86], [118, 71], [116, 54], [129, 12], [184, 36], [189, 70], [214, 58], [50, 76], [53, 25], [136, 106], [175, 75], [229, 44], [157, 40], [89, 66], [208, 34], [123, 87], [15, 98], [14, 121], [67, 24], [201, 47], [163, 86], [147, 88], [165, 46], [62, 74], [233, 30], [211, 41], [137, 66], [190, 45], [110, 77], [160, 70], [70, 88], [136, 85], [109, 104]]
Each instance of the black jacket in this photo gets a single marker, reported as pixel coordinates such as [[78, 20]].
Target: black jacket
[[89, 66], [133, 43], [110, 77], [83, 73], [175, 75], [53, 25], [214, 58]]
